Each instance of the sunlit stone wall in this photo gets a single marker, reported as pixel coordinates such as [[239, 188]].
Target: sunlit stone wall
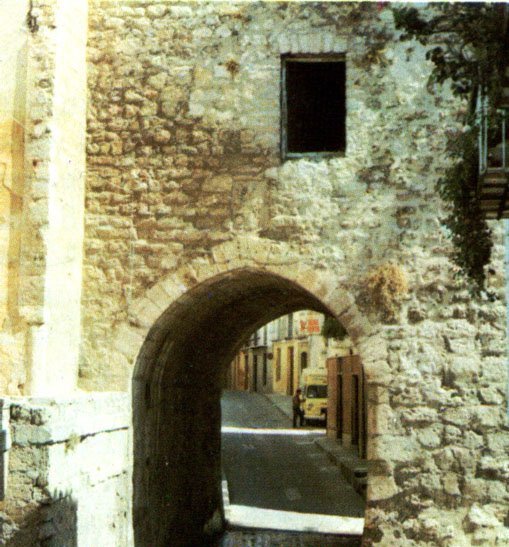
[[183, 158], [184, 181]]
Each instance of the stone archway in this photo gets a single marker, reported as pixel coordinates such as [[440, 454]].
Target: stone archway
[[201, 317]]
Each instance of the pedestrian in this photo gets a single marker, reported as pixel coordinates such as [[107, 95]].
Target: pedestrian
[[298, 413]]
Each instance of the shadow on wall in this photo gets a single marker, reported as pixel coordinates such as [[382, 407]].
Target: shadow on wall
[[53, 523]]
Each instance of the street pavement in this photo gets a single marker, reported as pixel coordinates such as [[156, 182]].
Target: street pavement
[[267, 464], [243, 409]]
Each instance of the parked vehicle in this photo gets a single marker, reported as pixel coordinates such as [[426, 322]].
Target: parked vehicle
[[314, 390]]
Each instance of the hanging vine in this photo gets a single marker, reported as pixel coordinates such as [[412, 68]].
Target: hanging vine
[[332, 328], [468, 49]]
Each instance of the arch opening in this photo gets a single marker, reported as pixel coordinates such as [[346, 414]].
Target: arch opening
[[176, 399]]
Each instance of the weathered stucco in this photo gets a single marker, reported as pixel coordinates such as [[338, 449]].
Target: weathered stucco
[[12, 118], [42, 195], [197, 232]]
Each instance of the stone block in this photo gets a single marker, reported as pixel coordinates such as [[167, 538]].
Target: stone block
[[400, 449], [451, 484], [419, 415], [381, 488], [482, 517], [459, 416], [381, 419], [491, 395], [485, 417], [128, 340], [431, 436], [464, 369], [218, 184], [156, 11], [498, 442], [376, 394], [144, 312]]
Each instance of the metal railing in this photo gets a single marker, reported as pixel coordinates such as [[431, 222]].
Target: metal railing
[[492, 137], [482, 124]]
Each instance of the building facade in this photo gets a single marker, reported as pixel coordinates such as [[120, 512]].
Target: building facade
[[299, 345], [275, 355], [159, 203], [251, 369]]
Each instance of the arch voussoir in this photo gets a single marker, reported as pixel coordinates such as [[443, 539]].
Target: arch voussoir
[[339, 300], [144, 312], [244, 253], [128, 340]]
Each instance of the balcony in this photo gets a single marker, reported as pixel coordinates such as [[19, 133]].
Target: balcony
[[493, 187]]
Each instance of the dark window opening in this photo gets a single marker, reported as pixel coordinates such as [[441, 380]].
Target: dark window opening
[[303, 360], [316, 392], [246, 371], [313, 105], [290, 325]]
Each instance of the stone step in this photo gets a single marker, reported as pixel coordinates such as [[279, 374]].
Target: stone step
[[493, 215], [492, 204], [274, 538], [491, 192]]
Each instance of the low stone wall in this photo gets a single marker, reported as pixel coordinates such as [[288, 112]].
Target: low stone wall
[[67, 456]]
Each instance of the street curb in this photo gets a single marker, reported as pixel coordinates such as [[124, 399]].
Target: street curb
[[355, 475]]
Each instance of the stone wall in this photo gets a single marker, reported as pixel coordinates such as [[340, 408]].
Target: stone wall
[[69, 480], [192, 221], [183, 156]]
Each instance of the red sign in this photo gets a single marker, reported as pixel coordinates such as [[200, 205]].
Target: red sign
[[309, 326]]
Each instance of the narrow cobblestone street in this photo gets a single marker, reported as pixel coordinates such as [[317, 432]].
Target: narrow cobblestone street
[[268, 465]]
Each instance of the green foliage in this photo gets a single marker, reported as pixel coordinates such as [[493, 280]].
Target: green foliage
[[332, 328], [468, 49], [469, 231], [467, 43]]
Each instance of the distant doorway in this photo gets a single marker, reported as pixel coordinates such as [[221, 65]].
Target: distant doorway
[[290, 371], [255, 373], [303, 360]]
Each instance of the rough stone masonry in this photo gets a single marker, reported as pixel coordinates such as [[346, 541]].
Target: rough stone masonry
[[195, 233]]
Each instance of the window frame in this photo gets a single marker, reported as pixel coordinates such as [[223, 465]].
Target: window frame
[[306, 58]]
